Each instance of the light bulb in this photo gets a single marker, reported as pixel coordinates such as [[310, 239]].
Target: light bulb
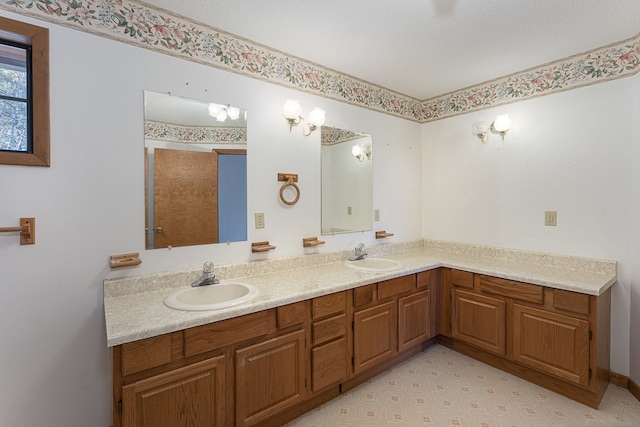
[[214, 109], [316, 117], [357, 152], [233, 112], [502, 123], [222, 115], [291, 110]]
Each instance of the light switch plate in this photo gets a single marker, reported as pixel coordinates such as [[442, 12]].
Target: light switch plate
[[376, 214], [550, 218]]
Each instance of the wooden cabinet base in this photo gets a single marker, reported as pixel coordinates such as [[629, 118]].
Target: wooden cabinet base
[[270, 367], [577, 393]]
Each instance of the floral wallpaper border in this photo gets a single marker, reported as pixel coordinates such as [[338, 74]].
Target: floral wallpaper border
[[333, 136], [194, 134], [143, 25], [607, 63]]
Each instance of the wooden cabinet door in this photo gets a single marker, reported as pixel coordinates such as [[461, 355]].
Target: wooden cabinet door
[[329, 364], [190, 396], [374, 335], [413, 319], [270, 377], [479, 320], [552, 343]]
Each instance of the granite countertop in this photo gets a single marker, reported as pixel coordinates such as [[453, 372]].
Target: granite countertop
[[134, 307]]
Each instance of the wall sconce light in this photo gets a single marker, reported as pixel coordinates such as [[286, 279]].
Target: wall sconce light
[[500, 126], [480, 129], [360, 151], [292, 113], [221, 112]]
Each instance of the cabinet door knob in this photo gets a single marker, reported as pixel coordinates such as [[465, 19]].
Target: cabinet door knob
[[159, 230]]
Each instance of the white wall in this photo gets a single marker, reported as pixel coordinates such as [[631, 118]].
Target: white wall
[[634, 333], [571, 152], [89, 204]]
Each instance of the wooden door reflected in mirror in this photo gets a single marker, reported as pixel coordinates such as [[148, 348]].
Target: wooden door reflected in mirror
[[185, 198]]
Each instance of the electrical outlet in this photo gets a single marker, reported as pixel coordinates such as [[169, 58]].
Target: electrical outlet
[[376, 214], [349, 210], [259, 219], [550, 218]]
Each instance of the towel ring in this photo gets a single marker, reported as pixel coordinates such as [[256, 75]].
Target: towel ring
[[290, 180]]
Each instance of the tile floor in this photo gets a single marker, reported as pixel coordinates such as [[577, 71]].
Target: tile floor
[[441, 387]]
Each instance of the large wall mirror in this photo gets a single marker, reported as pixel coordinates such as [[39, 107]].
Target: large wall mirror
[[347, 181], [195, 171]]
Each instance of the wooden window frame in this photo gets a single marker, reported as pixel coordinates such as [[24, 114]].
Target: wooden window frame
[[38, 39]]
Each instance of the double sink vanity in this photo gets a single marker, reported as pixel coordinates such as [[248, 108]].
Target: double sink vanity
[[315, 326]]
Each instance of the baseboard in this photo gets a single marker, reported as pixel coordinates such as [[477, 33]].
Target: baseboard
[[625, 382], [634, 389], [619, 379]]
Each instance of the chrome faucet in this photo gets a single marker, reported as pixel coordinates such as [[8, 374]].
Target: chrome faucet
[[208, 277], [359, 253]]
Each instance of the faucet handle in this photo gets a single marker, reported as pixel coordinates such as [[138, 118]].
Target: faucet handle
[[207, 268]]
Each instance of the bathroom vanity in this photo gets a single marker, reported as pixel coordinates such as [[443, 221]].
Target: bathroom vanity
[[320, 330]]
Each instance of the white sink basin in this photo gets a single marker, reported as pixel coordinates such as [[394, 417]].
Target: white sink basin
[[211, 297], [374, 265]]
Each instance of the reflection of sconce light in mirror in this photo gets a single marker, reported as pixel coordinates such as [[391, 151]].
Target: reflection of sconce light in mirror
[[500, 126], [360, 151], [480, 129], [221, 112], [292, 113]]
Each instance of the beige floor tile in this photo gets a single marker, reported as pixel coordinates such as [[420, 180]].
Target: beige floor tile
[[440, 387]]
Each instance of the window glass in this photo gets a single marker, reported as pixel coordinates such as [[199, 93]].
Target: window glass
[[24, 94], [14, 98]]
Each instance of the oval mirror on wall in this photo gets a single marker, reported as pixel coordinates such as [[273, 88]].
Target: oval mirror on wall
[[347, 181], [195, 172]]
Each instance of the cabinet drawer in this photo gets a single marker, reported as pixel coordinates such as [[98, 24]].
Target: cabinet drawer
[[571, 301], [146, 354], [363, 295], [326, 330], [327, 305], [226, 332], [512, 289], [397, 286], [424, 279], [291, 314], [463, 279]]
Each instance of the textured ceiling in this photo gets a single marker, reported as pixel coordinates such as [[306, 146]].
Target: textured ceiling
[[421, 48]]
